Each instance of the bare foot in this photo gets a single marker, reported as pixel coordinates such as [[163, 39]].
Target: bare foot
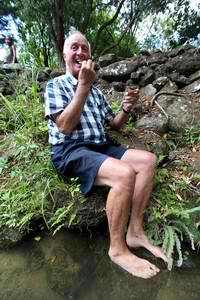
[[140, 240], [134, 265]]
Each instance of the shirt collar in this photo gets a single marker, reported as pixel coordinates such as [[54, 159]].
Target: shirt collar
[[71, 78]]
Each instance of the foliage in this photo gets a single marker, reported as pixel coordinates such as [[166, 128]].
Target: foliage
[[6, 8], [172, 215], [109, 25], [191, 135], [186, 21], [28, 178], [177, 24], [37, 48]]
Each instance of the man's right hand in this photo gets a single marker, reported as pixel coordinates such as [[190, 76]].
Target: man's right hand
[[87, 73]]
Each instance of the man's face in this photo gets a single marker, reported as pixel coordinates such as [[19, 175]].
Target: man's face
[[76, 52], [7, 41]]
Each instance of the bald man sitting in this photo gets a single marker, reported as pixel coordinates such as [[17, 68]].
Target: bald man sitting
[[77, 112]]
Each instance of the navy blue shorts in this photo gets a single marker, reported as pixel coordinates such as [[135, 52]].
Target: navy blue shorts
[[83, 160]]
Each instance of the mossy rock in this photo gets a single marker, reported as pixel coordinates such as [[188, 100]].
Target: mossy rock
[[9, 237], [84, 212]]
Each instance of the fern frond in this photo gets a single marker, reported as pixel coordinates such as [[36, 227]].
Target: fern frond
[[179, 231], [165, 239], [187, 231], [168, 244], [179, 250]]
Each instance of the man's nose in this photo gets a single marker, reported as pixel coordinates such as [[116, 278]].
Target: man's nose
[[79, 50]]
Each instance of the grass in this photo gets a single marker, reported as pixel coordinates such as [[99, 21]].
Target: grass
[[27, 175]]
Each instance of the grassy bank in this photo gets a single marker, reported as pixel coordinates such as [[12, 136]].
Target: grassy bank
[[28, 181]]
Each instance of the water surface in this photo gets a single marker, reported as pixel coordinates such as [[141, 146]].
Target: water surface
[[75, 265]]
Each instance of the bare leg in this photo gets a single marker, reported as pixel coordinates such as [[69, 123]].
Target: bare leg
[[120, 177], [144, 164]]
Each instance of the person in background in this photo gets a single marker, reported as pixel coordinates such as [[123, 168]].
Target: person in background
[[77, 113], [12, 56]]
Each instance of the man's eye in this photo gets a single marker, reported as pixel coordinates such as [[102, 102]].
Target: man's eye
[[74, 47]]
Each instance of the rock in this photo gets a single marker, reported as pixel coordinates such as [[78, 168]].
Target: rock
[[192, 88], [144, 52], [143, 76], [148, 90], [169, 87], [135, 76], [42, 76], [57, 72], [88, 213], [180, 80], [160, 82], [194, 76], [147, 78], [186, 65], [182, 111], [11, 68], [119, 71], [157, 58], [163, 70], [153, 141], [132, 84], [9, 237], [107, 59], [118, 86], [178, 51], [154, 66], [155, 123]]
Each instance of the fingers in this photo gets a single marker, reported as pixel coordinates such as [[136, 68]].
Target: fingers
[[88, 64], [87, 73], [132, 92], [131, 96]]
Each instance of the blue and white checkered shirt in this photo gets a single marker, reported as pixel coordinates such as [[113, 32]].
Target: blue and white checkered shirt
[[59, 93]]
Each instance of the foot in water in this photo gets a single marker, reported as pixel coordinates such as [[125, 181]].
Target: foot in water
[[141, 240], [134, 265]]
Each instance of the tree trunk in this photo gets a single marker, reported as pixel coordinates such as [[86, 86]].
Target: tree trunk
[[58, 24]]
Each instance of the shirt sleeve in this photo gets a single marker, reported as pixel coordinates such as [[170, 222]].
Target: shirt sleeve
[[109, 114], [55, 99]]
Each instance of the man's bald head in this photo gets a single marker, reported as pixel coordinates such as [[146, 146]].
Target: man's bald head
[[76, 50], [70, 39]]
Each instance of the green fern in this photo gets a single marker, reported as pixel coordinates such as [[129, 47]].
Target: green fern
[[179, 250], [187, 231], [168, 244]]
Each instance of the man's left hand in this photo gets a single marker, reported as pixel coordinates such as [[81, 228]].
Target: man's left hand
[[131, 97]]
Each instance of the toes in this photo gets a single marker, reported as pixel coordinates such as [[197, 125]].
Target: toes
[[154, 269]]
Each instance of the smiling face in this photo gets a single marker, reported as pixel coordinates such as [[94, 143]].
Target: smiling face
[[76, 50]]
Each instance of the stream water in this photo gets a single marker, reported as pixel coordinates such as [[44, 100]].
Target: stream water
[[74, 265]]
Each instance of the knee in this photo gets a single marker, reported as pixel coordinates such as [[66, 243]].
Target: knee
[[125, 179], [151, 159]]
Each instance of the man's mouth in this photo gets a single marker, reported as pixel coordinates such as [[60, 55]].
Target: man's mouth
[[79, 62]]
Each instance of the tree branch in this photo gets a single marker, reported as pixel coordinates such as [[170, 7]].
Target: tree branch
[[106, 24], [129, 26]]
